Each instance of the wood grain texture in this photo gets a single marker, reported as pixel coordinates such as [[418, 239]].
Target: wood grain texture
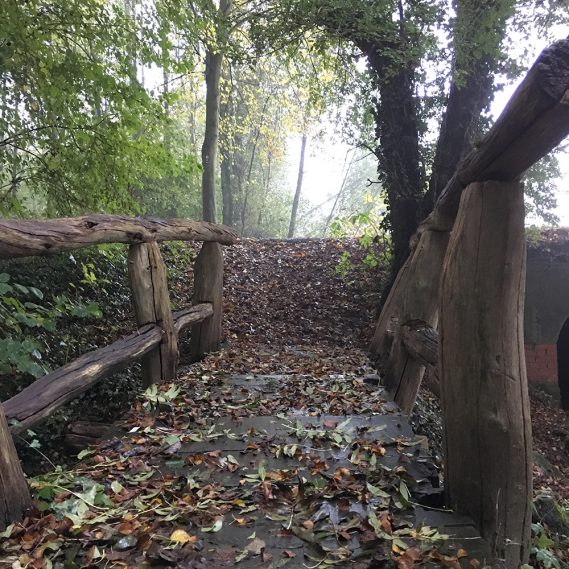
[[482, 369], [192, 315], [414, 296], [15, 498], [421, 342], [147, 272], [208, 287], [21, 238], [39, 400]]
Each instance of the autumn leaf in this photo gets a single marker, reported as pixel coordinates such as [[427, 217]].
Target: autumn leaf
[[181, 536]]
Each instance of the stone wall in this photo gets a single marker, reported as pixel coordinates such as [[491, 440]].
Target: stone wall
[[546, 307]]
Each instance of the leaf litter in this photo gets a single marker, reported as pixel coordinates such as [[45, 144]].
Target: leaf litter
[[281, 450]]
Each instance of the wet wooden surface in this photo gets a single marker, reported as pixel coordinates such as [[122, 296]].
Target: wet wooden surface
[[303, 483]]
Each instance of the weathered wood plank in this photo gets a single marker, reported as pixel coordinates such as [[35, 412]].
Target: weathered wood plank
[[488, 467], [21, 238], [208, 287], [192, 315], [38, 401], [15, 496], [414, 298], [147, 272], [421, 342]]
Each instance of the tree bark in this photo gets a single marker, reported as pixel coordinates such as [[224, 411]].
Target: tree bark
[[213, 61], [15, 498], [226, 188], [208, 287], [397, 133], [225, 110], [147, 272], [298, 190], [21, 238], [488, 468]]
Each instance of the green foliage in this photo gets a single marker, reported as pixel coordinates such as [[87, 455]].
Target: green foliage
[[367, 227], [79, 129], [23, 308], [540, 187], [541, 549], [155, 396]]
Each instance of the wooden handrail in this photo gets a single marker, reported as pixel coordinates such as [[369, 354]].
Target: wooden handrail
[[156, 340], [39, 400], [22, 238]]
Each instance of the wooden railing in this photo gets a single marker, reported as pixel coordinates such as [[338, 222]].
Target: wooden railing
[[156, 340]]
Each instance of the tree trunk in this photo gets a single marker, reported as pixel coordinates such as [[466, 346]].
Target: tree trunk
[[296, 199], [397, 132], [209, 148], [213, 61], [488, 468], [226, 189], [15, 497], [225, 153]]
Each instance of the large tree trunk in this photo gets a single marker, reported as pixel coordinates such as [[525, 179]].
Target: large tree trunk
[[15, 496], [397, 132], [213, 61], [209, 148], [484, 392], [299, 179], [225, 109]]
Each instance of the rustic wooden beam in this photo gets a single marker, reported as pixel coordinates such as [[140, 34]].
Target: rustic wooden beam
[[414, 296], [487, 424], [147, 272], [192, 315], [39, 400], [21, 238], [208, 287], [421, 342], [15, 498], [535, 120]]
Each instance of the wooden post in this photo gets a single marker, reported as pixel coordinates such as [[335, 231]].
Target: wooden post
[[488, 469], [15, 496], [535, 120], [147, 273], [208, 287], [416, 297]]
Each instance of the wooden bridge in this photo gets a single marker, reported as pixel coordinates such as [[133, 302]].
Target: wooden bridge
[[370, 503]]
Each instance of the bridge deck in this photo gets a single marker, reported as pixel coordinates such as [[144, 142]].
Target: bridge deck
[[280, 471]]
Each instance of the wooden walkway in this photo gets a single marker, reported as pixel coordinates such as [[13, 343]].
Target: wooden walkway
[[308, 484]]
